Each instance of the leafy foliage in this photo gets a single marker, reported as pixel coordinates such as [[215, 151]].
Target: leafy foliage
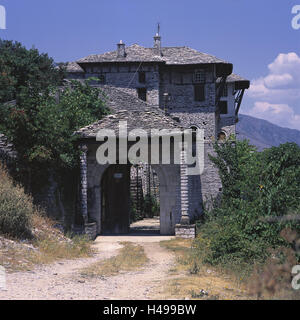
[[150, 206], [41, 121], [260, 189], [25, 71]]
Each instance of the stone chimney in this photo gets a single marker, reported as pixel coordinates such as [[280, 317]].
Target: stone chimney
[[157, 44], [121, 50]]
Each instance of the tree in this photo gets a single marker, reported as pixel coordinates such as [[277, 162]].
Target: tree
[[42, 128], [23, 71], [44, 115]]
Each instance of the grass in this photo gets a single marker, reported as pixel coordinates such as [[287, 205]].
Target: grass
[[130, 258], [27, 236], [192, 279], [47, 245], [16, 256], [181, 248], [50, 250]]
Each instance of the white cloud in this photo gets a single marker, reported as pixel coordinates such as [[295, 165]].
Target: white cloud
[[278, 80], [280, 114], [285, 62], [277, 95]]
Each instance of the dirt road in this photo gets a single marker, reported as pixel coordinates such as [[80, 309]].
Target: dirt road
[[63, 281]]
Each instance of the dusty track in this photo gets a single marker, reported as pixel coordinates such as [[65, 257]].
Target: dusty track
[[63, 281]]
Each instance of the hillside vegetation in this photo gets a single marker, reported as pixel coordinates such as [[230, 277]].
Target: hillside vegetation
[[255, 228], [27, 236]]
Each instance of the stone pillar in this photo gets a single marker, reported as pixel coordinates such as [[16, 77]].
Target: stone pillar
[[184, 229], [184, 189], [83, 182]]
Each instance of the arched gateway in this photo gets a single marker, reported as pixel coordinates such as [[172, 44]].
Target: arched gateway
[[105, 188]]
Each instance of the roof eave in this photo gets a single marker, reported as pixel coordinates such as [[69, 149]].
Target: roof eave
[[224, 69], [242, 85]]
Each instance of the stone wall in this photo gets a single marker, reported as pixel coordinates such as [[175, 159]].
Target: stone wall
[[126, 77], [185, 231]]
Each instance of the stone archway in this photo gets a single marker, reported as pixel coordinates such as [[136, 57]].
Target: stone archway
[[114, 200], [169, 193], [169, 175]]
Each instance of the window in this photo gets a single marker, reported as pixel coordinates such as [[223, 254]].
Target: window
[[194, 140], [194, 133], [199, 92], [142, 93], [223, 107], [102, 78], [199, 76], [142, 77], [225, 91]]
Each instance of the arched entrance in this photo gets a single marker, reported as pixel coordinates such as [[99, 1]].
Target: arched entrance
[[115, 204], [130, 201], [111, 207]]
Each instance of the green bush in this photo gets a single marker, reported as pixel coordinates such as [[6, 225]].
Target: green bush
[[134, 216], [259, 189], [16, 208], [150, 206]]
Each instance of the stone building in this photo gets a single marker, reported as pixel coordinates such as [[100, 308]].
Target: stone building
[[162, 88]]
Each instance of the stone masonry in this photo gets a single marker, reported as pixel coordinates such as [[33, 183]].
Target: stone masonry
[[194, 89]]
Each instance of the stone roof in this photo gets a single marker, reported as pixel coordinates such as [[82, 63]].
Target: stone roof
[[233, 78], [240, 83], [170, 56], [126, 107], [73, 67]]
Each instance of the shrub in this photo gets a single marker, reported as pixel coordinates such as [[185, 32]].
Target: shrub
[[150, 206], [260, 189], [16, 208]]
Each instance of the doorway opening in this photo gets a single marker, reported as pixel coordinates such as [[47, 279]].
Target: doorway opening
[[130, 200], [144, 199]]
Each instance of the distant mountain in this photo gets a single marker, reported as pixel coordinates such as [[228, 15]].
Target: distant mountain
[[264, 134]]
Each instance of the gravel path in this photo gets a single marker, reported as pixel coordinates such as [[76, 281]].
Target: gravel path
[[62, 280]]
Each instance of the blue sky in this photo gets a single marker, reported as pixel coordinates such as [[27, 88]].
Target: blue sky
[[256, 36]]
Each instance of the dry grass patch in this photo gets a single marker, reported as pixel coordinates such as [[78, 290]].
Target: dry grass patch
[[50, 250], [203, 287], [18, 256], [47, 245], [130, 258], [193, 280], [27, 236], [181, 248]]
